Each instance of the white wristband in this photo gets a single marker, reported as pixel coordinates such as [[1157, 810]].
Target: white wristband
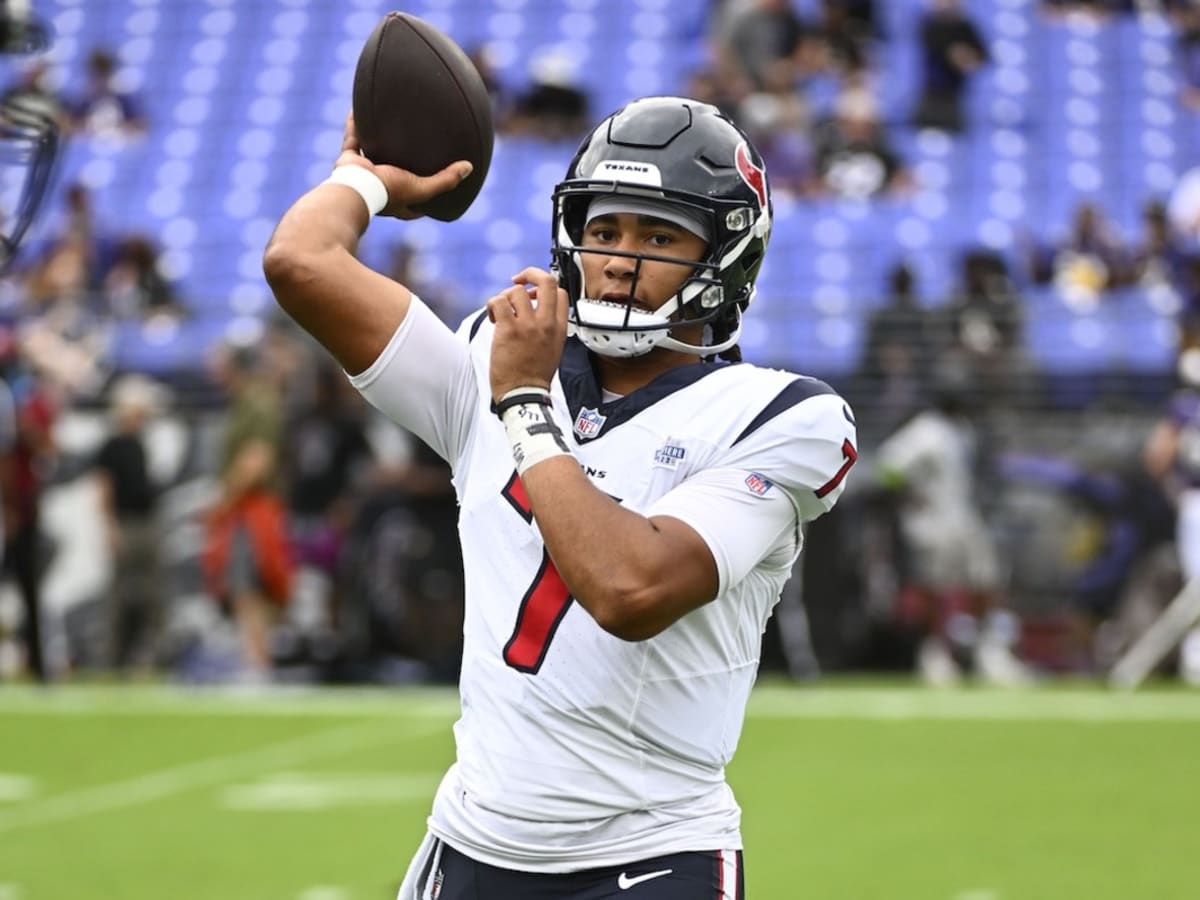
[[364, 182], [533, 434]]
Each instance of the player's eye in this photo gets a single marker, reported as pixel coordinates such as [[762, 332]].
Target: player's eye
[[661, 239], [601, 235]]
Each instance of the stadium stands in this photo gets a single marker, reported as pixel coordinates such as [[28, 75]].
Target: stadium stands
[[245, 102]]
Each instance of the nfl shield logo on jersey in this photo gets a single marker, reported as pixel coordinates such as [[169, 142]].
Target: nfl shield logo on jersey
[[758, 484], [588, 423]]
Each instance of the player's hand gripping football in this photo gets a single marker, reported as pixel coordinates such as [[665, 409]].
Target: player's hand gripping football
[[405, 189], [531, 328]]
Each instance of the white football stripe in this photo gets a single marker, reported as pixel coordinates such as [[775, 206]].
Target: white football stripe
[[974, 705], [772, 701], [16, 787], [729, 874], [299, 791], [209, 772]]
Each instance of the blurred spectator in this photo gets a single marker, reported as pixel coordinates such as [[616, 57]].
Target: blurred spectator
[[1172, 455], [247, 560], [1189, 316], [67, 273], [954, 572], [853, 156], [1125, 518], [778, 124], [328, 456], [66, 332], [555, 106], [1183, 206], [952, 49], [134, 285], [481, 56], [860, 17], [406, 267], [1160, 261], [763, 39], [128, 498], [1187, 46], [721, 84], [1095, 8], [897, 352], [985, 316], [1087, 262], [846, 35], [24, 470], [406, 566], [103, 109]]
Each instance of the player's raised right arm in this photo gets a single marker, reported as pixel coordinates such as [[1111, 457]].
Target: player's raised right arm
[[312, 269]]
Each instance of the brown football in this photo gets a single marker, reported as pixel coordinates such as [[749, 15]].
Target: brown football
[[420, 104]]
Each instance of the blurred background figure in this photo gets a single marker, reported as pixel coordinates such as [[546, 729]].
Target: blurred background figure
[[952, 50], [853, 157], [404, 568], [25, 469], [102, 109], [248, 557], [326, 470], [134, 286], [128, 500], [897, 352], [1172, 455], [762, 39], [985, 318], [1089, 260], [555, 106], [952, 596]]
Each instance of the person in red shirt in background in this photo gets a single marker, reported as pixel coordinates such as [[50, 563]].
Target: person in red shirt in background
[[26, 457]]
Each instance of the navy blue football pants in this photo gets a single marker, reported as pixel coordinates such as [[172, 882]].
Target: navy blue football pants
[[714, 875]]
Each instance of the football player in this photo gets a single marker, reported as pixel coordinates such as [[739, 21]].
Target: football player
[[632, 500]]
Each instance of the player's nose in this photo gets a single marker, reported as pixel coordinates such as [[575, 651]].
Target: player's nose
[[620, 267]]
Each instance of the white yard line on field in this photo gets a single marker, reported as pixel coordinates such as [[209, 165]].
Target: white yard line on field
[[311, 791], [770, 701], [907, 704], [284, 702], [324, 892], [210, 772]]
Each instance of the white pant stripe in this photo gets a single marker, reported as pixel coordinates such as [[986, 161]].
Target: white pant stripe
[[729, 875]]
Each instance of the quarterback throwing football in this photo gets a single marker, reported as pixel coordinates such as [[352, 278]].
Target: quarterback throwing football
[[631, 497]]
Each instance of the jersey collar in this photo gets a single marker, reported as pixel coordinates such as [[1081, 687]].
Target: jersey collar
[[583, 391]]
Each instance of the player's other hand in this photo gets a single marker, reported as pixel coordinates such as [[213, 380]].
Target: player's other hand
[[531, 328], [405, 189]]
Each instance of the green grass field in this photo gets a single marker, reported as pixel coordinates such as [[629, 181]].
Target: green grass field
[[893, 793]]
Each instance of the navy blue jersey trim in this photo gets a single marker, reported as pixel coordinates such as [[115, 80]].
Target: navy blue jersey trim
[[582, 389], [475, 325], [796, 392]]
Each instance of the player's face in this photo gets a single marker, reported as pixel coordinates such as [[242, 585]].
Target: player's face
[[619, 278]]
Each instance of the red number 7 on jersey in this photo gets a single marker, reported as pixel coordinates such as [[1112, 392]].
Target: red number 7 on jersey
[[544, 604]]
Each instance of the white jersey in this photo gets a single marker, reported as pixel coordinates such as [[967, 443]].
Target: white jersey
[[951, 545], [577, 749]]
